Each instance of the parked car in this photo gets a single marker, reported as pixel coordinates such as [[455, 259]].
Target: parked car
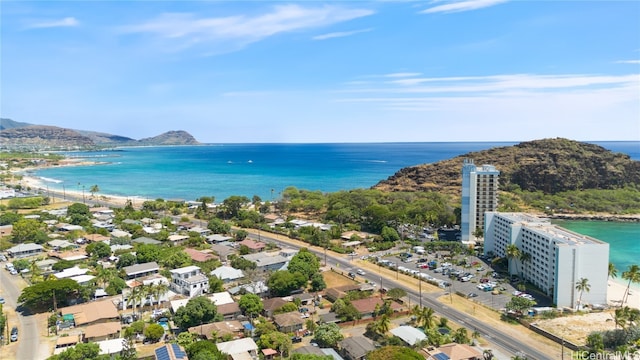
[[14, 334], [472, 295], [296, 339], [360, 272], [2, 300]]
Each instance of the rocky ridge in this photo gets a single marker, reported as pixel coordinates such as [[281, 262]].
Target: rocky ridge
[[549, 165]]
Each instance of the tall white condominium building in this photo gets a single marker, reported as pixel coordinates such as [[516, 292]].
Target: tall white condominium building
[[557, 258], [479, 194]]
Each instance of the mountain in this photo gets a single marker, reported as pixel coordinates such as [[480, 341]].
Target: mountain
[[10, 124], [549, 165], [17, 135], [170, 138]]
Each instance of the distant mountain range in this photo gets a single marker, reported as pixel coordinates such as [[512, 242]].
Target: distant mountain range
[[18, 135], [547, 165]]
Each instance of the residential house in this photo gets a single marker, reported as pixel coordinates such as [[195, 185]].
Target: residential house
[[199, 256], [253, 246], [355, 347], [83, 280], [61, 244], [222, 251], [96, 237], [218, 238], [289, 322], [189, 281], [177, 239], [229, 311], [356, 235], [25, 250], [409, 334], [305, 298], [453, 351], [366, 307], [218, 330], [102, 331], [339, 292], [239, 349], [146, 240], [141, 270], [70, 272], [309, 350], [271, 305], [201, 231], [111, 347], [92, 312], [227, 274], [6, 230], [65, 342], [150, 280], [117, 233], [269, 354], [288, 253], [267, 261], [257, 288], [170, 352], [46, 266]]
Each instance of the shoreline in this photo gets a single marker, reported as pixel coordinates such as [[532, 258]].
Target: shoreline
[[616, 290], [120, 200]]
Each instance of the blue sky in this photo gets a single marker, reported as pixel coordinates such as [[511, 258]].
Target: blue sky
[[353, 71]]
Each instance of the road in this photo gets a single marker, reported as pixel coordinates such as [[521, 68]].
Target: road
[[494, 336], [29, 336]]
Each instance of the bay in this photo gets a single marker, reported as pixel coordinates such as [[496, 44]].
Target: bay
[[623, 239]]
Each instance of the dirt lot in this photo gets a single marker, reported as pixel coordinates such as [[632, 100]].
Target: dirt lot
[[334, 279], [576, 328]]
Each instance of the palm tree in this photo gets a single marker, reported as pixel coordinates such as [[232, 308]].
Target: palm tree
[[524, 258], [158, 290], [612, 272], [383, 325], [475, 335], [93, 190], [633, 275], [513, 253], [582, 285], [460, 336], [487, 354], [135, 296], [426, 318], [104, 275]]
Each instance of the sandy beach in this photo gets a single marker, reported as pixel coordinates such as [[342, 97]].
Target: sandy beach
[[616, 291], [80, 196]]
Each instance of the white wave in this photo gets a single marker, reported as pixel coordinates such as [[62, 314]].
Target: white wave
[[46, 179], [376, 161]]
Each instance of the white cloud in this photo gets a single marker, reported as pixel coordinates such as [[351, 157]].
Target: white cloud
[[628, 62], [402, 75], [460, 6], [339, 34], [190, 29], [66, 22]]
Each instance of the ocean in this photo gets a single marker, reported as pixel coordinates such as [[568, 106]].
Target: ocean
[[223, 170]]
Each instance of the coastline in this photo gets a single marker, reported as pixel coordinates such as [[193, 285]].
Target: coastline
[[615, 292]]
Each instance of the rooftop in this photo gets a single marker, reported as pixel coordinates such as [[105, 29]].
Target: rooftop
[[185, 270], [141, 268]]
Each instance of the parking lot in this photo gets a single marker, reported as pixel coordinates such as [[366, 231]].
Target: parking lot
[[470, 276]]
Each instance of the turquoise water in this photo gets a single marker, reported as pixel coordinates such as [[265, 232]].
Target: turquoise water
[[188, 172], [623, 239]]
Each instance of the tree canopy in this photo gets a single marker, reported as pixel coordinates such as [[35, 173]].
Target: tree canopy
[[199, 310], [328, 334], [282, 283], [42, 294], [394, 352], [304, 262], [251, 304]]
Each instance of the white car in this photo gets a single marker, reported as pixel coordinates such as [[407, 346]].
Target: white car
[[360, 272]]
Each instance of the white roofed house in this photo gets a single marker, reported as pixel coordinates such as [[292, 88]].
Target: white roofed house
[[141, 270], [189, 281], [177, 239], [267, 261], [25, 250], [227, 274]]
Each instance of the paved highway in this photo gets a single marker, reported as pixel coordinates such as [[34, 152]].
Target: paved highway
[[28, 335], [494, 336]]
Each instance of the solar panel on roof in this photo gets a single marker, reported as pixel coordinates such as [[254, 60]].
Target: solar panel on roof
[[441, 356], [179, 353], [162, 353]]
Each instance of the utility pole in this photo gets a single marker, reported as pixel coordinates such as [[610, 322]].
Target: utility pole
[[420, 291]]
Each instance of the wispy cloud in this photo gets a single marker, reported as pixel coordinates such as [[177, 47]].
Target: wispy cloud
[[628, 62], [339, 34], [460, 6], [66, 22], [190, 29], [402, 74]]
